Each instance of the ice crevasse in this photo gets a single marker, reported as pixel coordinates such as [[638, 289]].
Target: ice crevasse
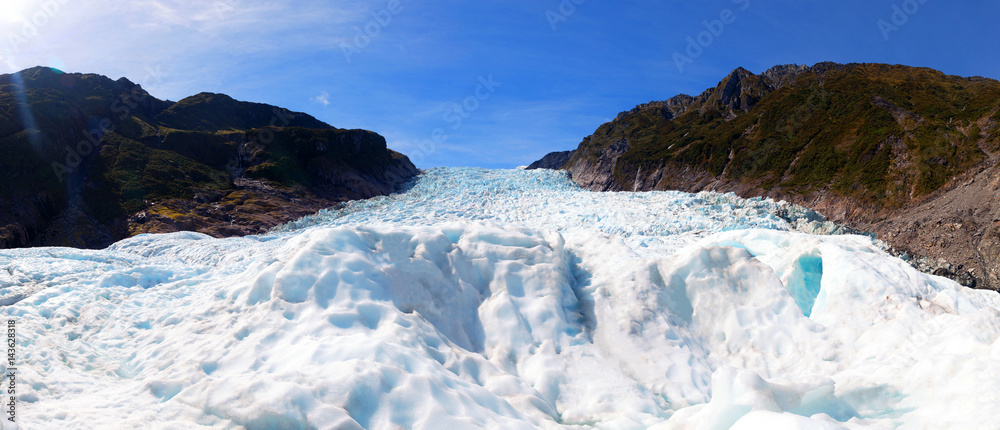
[[502, 299]]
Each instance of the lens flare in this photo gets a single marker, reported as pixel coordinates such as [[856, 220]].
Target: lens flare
[[24, 110]]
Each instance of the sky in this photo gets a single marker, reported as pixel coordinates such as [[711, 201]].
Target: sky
[[489, 83]]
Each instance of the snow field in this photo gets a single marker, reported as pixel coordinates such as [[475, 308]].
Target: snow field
[[493, 299]]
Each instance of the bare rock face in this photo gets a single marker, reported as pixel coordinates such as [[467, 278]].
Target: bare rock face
[[785, 74], [956, 232], [554, 161], [597, 173], [909, 154]]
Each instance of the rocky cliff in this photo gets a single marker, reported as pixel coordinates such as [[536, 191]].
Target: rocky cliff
[[909, 154], [552, 160], [89, 160]]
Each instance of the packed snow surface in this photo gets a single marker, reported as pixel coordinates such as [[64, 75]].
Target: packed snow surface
[[502, 299]]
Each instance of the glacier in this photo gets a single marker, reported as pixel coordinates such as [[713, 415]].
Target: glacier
[[502, 299]]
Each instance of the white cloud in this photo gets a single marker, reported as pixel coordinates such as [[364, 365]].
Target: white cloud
[[12, 11], [323, 99], [195, 43]]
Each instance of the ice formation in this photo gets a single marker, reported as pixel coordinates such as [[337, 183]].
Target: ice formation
[[502, 299]]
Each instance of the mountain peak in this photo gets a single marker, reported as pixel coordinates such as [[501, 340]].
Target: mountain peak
[[740, 73], [784, 74], [41, 70], [211, 97], [208, 111]]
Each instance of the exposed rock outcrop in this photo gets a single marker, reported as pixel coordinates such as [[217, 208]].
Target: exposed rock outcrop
[[553, 160]]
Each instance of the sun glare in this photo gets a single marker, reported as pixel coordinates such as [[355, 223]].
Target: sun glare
[[10, 11]]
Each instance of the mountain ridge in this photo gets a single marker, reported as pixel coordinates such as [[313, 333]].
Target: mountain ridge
[[865, 144], [95, 160]]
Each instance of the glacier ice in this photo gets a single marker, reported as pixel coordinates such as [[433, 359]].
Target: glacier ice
[[502, 299]]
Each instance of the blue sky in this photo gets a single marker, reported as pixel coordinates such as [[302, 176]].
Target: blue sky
[[480, 83]]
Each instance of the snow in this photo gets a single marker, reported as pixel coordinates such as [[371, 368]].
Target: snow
[[502, 299]]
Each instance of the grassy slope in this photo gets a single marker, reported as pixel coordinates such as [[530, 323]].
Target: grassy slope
[[829, 130]]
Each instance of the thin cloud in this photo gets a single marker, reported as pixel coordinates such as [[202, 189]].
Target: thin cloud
[[189, 38], [323, 99]]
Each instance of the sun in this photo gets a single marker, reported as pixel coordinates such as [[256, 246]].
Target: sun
[[11, 11]]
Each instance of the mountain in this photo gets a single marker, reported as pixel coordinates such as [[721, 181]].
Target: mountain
[[553, 160], [89, 161], [910, 154]]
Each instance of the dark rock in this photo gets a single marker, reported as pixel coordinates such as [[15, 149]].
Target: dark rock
[[553, 160], [103, 159]]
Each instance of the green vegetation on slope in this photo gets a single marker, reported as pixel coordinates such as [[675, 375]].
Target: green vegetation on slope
[[879, 133]]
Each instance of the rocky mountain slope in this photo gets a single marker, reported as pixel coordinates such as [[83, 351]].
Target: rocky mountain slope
[[553, 160], [89, 160], [907, 153]]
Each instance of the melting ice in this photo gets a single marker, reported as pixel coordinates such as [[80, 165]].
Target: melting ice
[[502, 299]]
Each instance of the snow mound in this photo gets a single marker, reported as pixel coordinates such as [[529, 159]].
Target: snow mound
[[501, 299]]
